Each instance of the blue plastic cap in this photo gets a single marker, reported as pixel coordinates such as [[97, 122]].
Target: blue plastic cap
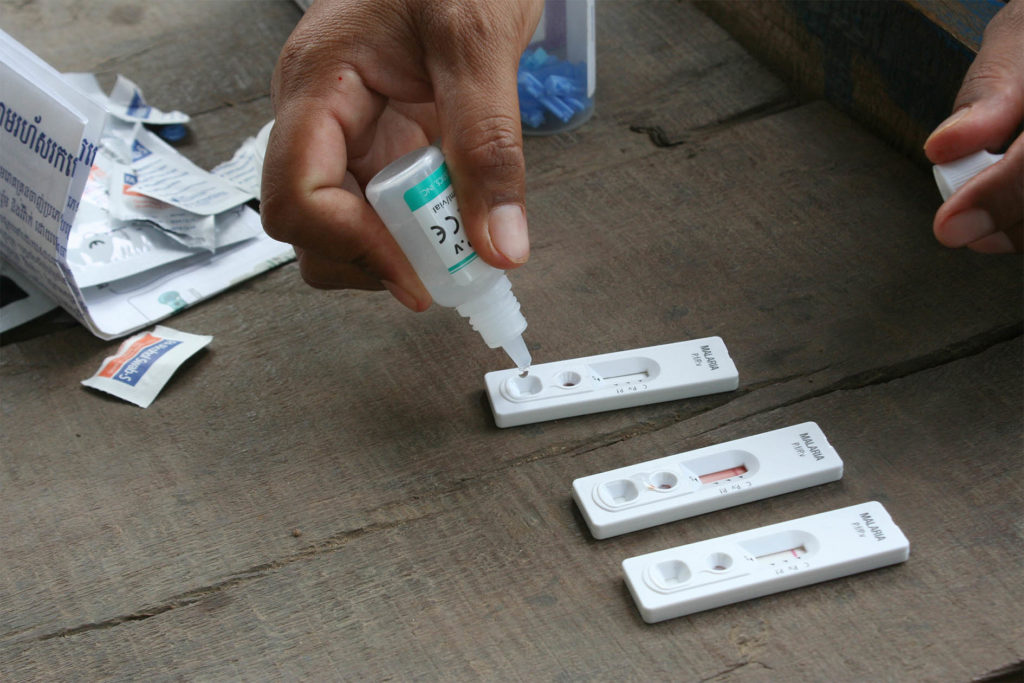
[[174, 132], [548, 84]]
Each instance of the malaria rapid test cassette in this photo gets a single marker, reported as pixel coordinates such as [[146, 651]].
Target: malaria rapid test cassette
[[624, 379], [707, 479], [751, 564]]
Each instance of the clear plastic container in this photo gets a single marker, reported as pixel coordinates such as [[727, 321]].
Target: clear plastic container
[[557, 76], [415, 199]]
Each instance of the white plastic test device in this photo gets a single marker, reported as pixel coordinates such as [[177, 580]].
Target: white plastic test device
[[708, 574], [593, 384], [707, 479]]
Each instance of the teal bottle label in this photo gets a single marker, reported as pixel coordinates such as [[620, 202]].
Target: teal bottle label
[[432, 201]]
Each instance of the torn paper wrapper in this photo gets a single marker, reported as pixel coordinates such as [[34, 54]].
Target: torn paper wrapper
[[114, 184], [137, 301], [164, 174], [142, 364], [112, 265], [125, 101], [245, 170], [103, 250]]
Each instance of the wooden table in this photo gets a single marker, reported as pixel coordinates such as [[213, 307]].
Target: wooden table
[[323, 493]]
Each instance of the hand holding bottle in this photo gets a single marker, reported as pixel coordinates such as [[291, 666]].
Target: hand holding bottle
[[361, 82]]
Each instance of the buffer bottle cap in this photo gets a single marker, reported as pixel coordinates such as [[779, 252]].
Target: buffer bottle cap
[[954, 175]]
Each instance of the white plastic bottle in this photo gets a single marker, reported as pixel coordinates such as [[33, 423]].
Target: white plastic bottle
[[415, 199]]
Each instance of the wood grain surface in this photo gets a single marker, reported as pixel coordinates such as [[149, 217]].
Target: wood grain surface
[[323, 495], [895, 66]]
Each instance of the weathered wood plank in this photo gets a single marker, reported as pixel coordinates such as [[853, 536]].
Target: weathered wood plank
[[962, 20], [506, 584], [894, 66]]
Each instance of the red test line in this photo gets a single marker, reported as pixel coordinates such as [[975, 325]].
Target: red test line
[[722, 474]]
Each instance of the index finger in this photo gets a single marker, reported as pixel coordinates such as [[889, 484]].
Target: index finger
[[303, 201]]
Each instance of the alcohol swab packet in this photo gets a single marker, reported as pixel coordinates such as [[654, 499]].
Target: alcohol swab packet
[[143, 364]]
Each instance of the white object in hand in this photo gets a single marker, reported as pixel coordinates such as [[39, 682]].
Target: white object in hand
[[954, 175]]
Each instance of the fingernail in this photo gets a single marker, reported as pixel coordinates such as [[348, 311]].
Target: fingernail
[[404, 297], [966, 227], [955, 118], [507, 227], [997, 243]]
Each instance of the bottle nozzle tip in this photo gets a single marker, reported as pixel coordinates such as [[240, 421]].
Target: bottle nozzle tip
[[517, 351]]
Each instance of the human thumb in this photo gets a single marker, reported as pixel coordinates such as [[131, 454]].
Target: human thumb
[[474, 79], [990, 105]]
